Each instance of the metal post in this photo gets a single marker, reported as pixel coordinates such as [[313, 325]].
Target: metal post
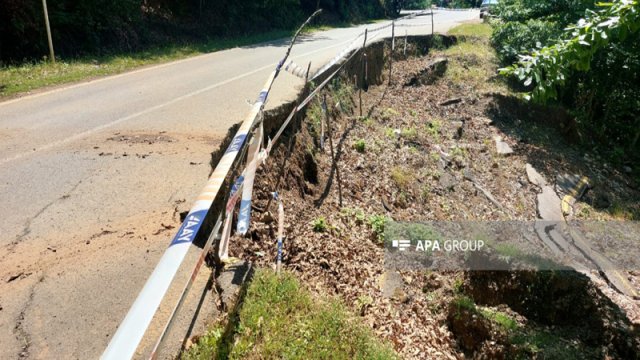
[[333, 156], [46, 21], [432, 21], [306, 77], [364, 51], [404, 52], [393, 46]]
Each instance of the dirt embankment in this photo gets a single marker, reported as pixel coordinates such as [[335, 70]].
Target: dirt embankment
[[427, 151]]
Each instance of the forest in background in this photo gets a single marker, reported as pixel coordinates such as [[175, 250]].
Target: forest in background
[[101, 27]]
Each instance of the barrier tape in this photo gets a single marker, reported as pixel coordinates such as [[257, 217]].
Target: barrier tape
[[132, 329]]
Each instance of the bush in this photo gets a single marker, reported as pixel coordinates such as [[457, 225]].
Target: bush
[[512, 38]]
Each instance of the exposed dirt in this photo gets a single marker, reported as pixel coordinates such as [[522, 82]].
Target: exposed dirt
[[416, 155]]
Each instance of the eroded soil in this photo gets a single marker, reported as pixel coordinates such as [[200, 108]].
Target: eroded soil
[[410, 157]]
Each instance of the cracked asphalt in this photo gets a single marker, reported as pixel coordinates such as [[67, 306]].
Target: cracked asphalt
[[94, 175]]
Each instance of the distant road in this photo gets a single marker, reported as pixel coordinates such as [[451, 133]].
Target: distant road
[[93, 176]]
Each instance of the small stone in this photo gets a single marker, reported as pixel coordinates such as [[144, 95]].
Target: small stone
[[502, 147], [534, 176], [447, 181], [627, 169], [549, 207]]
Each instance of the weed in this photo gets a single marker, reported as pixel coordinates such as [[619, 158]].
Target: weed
[[433, 129], [504, 321], [458, 286], [378, 223], [206, 346], [320, 224], [388, 113], [401, 177], [356, 214], [390, 133], [359, 145], [410, 134], [413, 113]]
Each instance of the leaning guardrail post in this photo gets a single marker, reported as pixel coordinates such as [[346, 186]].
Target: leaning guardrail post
[[404, 51], [393, 46], [364, 51], [431, 21], [333, 156], [132, 329]]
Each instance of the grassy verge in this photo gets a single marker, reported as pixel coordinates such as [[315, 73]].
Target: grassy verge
[[281, 319], [475, 61]]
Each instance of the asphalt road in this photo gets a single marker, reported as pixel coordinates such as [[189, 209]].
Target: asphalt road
[[93, 176]]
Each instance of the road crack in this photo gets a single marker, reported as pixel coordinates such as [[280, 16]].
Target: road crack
[[27, 225], [20, 332]]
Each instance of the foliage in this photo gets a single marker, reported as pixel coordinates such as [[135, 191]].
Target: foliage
[[377, 223], [595, 69], [320, 224], [359, 145], [524, 24], [279, 318], [100, 27], [416, 4]]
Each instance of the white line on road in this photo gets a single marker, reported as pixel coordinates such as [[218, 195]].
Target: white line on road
[[151, 109]]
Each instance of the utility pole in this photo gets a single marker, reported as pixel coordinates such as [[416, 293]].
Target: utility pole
[[46, 21]]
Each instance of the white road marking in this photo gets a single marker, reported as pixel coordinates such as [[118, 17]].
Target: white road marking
[[151, 109]]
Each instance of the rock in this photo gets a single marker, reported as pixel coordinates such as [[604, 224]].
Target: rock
[[391, 284], [447, 181], [231, 281], [468, 174], [485, 121], [549, 207], [502, 147], [534, 176], [434, 70], [450, 101], [627, 169]]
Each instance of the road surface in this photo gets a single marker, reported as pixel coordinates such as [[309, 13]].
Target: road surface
[[93, 177]]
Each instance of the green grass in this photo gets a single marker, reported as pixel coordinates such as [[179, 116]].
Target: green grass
[[477, 30], [472, 61], [280, 319], [17, 80]]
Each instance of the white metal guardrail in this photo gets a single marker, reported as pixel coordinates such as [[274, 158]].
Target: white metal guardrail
[[132, 329]]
